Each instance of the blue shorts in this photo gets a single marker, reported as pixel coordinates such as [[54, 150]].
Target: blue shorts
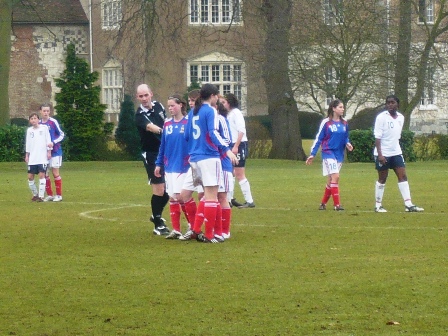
[[242, 154], [36, 169], [392, 162]]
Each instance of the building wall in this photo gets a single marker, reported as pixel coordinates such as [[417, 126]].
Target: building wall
[[37, 58]]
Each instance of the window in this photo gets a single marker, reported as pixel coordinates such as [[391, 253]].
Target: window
[[429, 94], [333, 12], [112, 87], [111, 14], [215, 12], [225, 72], [426, 11], [331, 81]]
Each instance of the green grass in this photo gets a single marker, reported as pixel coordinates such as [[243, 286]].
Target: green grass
[[90, 265]]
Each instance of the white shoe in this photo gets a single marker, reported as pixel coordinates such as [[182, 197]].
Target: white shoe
[[226, 235], [380, 209], [413, 208], [57, 198], [48, 199]]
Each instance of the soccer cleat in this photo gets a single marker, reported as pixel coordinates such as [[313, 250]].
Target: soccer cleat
[[161, 231], [163, 220], [174, 235], [413, 208], [226, 235], [39, 199], [48, 199], [247, 205], [34, 199], [235, 203], [203, 239], [380, 209], [190, 234], [322, 207], [219, 238], [338, 208], [57, 198]]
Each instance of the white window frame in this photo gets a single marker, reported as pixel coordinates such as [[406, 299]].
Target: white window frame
[[215, 12], [112, 86], [426, 11], [111, 14], [227, 73], [332, 11], [331, 79]]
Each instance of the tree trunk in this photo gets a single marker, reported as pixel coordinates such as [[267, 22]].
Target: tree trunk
[[402, 67], [286, 138], [5, 51]]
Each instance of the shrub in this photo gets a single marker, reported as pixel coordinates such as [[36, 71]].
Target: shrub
[[363, 142], [12, 143], [442, 145], [259, 149], [126, 135], [364, 119], [19, 122], [79, 109]]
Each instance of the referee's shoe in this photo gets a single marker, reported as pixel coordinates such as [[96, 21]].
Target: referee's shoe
[[160, 228]]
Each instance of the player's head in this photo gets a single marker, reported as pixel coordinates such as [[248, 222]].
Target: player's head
[[192, 96], [335, 107], [45, 110], [209, 93], [33, 119], [176, 103], [392, 103], [221, 107], [232, 101], [144, 95]]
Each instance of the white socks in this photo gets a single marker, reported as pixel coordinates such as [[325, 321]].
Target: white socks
[[379, 192], [245, 188], [405, 192]]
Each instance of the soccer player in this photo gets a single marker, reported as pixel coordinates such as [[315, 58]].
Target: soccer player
[[57, 135], [173, 158], [38, 151], [149, 119], [388, 154], [239, 148], [206, 143], [334, 138]]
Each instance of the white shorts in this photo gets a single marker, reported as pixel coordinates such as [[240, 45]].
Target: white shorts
[[330, 166], [227, 182], [188, 183], [55, 162], [209, 171], [174, 182]]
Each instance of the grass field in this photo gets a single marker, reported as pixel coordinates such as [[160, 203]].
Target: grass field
[[89, 265]]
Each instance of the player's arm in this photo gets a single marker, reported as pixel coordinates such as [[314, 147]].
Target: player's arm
[[378, 133], [348, 145]]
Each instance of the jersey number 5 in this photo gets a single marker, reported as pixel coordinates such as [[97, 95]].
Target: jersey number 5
[[196, 129]]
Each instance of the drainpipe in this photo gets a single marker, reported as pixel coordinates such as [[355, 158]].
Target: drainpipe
[[90, 36]]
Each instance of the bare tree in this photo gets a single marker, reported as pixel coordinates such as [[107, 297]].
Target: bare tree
[[339, 51]]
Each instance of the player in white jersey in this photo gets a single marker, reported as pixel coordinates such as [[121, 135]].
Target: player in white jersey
[[38, 151], [239, 147], [388, 154]]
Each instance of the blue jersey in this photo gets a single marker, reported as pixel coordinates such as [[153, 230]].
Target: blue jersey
[[202, 132], [57, 135], [173, 151], [332, 136], [224, 131]]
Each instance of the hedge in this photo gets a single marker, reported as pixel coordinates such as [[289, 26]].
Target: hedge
[[12, 143]]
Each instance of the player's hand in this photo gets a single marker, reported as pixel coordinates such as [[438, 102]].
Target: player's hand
[[232, 157], [309, 160], [382, 159], [349, 146], [235, 150], [50, 145], [157, 172]]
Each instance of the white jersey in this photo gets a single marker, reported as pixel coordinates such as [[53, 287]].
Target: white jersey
[[388, 130], [237, 124], [37, 140]]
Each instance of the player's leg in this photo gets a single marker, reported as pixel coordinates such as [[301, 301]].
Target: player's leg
[[31, 183], [240, 174], [48, 188], [42, 182], [403, 184], [380, 184], [56, 163]]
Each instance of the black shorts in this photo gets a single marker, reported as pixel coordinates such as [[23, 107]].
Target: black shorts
[[392, 162], [36, 169], [242, 154], [150, 164]]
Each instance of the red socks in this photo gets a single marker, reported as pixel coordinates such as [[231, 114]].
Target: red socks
[[335, 193], [175, 215], [327, 194], [48, 188]]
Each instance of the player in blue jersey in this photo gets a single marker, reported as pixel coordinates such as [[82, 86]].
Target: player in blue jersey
[[206, 143], [334, 138], [222, 227], [55, 163], [173, 157]]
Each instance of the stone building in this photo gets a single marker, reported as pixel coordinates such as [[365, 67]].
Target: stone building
[[41, 31]]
